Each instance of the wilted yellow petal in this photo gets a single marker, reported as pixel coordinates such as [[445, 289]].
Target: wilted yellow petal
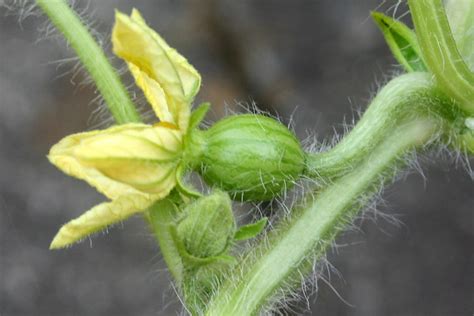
[[99, 217], [122, 160], [144, 49]]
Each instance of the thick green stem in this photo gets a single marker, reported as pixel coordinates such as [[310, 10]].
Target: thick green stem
[[278, 261], [93, 58], [405, 97]]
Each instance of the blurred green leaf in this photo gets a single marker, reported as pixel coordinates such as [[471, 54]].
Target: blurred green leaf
[[402, 42]]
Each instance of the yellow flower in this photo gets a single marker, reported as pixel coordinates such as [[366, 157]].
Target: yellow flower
[[134, 165]]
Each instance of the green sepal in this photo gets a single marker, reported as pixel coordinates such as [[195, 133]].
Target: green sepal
[[183, 187], [198, 115], [402, 42], [251, 230]]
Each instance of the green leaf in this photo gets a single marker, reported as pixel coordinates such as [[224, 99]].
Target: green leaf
[[198, 115], [440, 52], [402, 42], [251, 230]]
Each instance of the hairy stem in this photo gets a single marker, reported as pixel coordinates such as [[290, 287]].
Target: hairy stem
[[93, 58], [160, 217], [405, 97], [278, 261]]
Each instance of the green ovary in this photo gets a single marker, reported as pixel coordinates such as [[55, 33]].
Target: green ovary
[[253, 157]]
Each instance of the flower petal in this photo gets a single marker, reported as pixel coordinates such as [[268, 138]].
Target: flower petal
[[122, 160], [148, 54], [99, 217], [154, 93]]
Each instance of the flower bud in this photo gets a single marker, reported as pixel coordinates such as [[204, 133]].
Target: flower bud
[[253, 157], [208, 226]]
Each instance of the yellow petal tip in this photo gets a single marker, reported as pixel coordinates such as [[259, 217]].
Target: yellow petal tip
[[137, 15], [63, 238], [119, 14], [58, 242]]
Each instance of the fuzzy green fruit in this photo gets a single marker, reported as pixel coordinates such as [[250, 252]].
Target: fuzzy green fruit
[[253, 157]]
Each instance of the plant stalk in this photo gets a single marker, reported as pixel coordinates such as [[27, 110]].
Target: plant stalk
[[160, 218], [93, 58], [404, 98]]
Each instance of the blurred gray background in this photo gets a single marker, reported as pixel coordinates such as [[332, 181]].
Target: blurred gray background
[[323, 58]]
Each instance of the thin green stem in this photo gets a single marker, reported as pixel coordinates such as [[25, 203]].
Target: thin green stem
[[161, 216], [440, 51], [278, 261], [93, 58]]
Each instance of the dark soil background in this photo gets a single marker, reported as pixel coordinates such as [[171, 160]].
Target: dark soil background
[[319, 60]]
